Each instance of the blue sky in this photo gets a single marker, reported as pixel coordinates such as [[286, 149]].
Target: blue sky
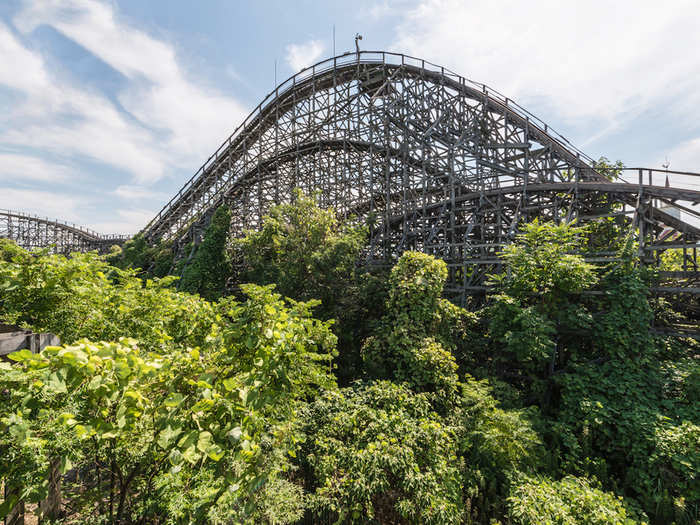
[[106, 108]]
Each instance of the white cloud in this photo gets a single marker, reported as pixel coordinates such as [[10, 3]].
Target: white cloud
[[56, 116], [42, 203], [22, 69], [138, 193], [172, 121], [17, 167], [381, 10], [598, 60], [128, 221], [300, 56], [686, 157]]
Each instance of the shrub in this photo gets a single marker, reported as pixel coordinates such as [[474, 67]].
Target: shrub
[[571, 501], [379, 454]]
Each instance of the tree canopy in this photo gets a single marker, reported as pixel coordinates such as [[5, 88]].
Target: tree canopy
[[279, 381]]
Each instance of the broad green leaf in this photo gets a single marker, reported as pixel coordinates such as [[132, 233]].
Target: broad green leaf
[[66, 465], [20, 356], [168, 436]]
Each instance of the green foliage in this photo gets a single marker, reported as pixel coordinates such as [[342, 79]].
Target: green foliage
[[307, 254], [204, 419], [84, 297], [416, 283], [189, 411], [611, 170], [624, 325], [137, 254], [210, 267], [9, 250], [527, 336], [496, 444], [412, 342], [542, 268], [671, 474], [304, 251], [571, 501], [537, 309], [379, 454]]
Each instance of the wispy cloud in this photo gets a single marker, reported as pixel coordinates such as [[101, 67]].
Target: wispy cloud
[[42, 203], [189, 118], [300, 56], [126, 221], [606, 61], [132, 193], [381, 10], [15, 167], [685, 157], [166, 119]]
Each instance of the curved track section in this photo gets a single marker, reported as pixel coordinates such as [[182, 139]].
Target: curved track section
[[32, 232], [437, 162], [371, 124]]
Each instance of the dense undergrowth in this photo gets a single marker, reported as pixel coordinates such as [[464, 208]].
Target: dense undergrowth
[[321, 392]]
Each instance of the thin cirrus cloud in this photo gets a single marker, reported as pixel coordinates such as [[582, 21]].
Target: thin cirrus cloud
[[598, 63], [149, 134], [157, 85], [23, 167], [300, 56]]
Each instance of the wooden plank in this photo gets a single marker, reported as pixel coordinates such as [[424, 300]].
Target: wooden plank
[[671, 289], [12, 342]]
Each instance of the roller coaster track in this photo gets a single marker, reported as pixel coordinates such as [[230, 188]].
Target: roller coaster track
[[439, 162], [32, 232], [434, 161]]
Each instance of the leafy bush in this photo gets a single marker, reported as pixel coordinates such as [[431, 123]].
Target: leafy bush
[[84, 297], [149, 260], [670, 476], [210, 267], [308, 254], [541, 264], [304, 251], [379, 454], [571, 501], [412, 342], [496, 445], [136, 419], [188, 411]]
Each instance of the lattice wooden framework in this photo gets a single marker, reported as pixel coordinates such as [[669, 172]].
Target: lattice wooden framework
[[434, 161], [31, 232]]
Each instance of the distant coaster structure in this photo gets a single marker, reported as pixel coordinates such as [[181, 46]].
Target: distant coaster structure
[[34, 232], [432, 161]]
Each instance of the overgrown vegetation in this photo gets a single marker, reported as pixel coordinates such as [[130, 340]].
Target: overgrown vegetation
[[219, 403]]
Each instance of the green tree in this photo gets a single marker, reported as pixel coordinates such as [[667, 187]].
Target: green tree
[[210, 267], [305, 252], [83, 297], [201, 422], [496, 445], [537, 313], [308, 254], [571, 501], [414, 339], [136, 253], [379, 454]]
